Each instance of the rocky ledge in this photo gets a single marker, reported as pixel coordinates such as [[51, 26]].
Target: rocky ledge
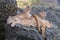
[[20, 32]]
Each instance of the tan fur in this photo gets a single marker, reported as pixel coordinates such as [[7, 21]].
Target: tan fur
[[42, 22], [33, 20], [38, 23], [23, 21], [25, 13], [45, 23]]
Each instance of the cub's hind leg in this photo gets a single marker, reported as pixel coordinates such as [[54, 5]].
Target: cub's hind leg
[[43, 30]]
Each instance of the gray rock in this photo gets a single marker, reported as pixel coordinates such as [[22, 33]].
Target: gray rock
[[21, 33]]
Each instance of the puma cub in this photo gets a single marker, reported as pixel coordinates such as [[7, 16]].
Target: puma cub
[[28, 19], [44, 23]]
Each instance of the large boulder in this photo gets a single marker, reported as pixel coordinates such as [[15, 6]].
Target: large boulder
[[20, 32]]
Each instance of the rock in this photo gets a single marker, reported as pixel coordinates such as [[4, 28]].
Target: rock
[[53, 34], [7, 7], [20, 32]]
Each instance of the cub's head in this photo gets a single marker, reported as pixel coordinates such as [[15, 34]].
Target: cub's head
[[42, 14], [27, 9], [13, 20]]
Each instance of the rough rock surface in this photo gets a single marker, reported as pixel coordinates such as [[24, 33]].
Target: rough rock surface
[[20, 32], [53, 33], [7, 7]]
